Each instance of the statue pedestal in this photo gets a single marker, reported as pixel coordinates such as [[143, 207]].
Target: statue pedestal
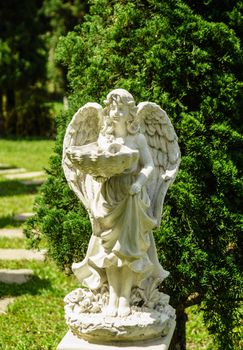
[[71, 342]]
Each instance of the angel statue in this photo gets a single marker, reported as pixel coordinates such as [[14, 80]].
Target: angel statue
[[120, 161]]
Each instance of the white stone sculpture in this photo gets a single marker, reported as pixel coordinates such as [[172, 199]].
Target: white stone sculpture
[[120, 161]]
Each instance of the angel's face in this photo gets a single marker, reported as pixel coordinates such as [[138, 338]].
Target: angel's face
[[119, 112]]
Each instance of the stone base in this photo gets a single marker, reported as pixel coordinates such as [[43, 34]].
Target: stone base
[[71, 342], [86, 317]]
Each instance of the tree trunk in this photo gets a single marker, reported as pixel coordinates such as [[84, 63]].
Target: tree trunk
[[11, 117], [178, 341]]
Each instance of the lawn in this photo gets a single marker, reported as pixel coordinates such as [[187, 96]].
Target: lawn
[[32, 155], [16, 197], [35, 321]]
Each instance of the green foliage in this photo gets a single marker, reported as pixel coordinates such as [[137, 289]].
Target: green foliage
[[189, 62], [61, 16], [22, 70]]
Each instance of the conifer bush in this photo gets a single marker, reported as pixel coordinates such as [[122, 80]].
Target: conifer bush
[[189, 61]]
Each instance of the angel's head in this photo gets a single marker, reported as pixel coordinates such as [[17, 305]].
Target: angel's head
[[120, 107]]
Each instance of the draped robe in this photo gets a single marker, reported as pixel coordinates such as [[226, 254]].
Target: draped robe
[[122, 232]]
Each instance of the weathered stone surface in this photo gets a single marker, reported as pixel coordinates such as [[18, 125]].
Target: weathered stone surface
[[22, 216], [24, 175], [15, 276], [11, 233], [22, 254], [71, 342], [4, 303]]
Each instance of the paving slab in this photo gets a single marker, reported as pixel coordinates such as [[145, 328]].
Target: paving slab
[[12, 171], [37, 182], [22, 216], [24, 175], [11, 233], [19, 276], [4, 303], [22, 254]]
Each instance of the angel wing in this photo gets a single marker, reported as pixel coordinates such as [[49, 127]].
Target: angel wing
[[163, 145], [83, 129]]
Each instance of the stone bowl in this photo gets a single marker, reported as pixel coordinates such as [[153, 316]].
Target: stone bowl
[[91, 159]]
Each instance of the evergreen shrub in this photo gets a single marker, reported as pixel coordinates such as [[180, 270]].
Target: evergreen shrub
[[177, 55]]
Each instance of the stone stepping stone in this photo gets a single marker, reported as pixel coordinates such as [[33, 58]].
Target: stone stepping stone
[[33, 182], [11, 233], [22, 216], [22, 254], [11, 171], [19, 276], [24, 175], [4, 303]]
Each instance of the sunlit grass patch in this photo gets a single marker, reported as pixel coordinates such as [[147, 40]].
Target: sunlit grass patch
[[12, 243], [35, 320], [33, 155], [197, 335], [12, 205]]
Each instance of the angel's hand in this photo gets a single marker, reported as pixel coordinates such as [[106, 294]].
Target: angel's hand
[[169, 175], [135, 188], [166, 177]]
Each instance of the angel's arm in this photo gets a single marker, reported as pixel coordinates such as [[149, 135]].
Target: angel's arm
[[147, 165]]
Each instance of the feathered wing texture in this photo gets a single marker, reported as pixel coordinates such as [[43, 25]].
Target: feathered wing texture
[[163, 145], [84, 128]]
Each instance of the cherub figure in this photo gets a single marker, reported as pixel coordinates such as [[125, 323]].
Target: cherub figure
[[125, 207]]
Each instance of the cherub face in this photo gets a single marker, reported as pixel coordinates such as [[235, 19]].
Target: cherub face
[[118, 111]]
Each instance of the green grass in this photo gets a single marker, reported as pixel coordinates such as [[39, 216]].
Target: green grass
[[196, 333], [32, 155], [9, 206], [12, 243], [11, 188], [15, 197], [35, 321]]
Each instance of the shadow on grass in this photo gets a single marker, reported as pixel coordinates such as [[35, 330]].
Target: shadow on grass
[[8, 220], [7, 166], [14, 188], [32, 287]]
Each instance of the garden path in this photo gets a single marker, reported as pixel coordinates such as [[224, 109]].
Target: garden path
[[24, 175], [17, 276]]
